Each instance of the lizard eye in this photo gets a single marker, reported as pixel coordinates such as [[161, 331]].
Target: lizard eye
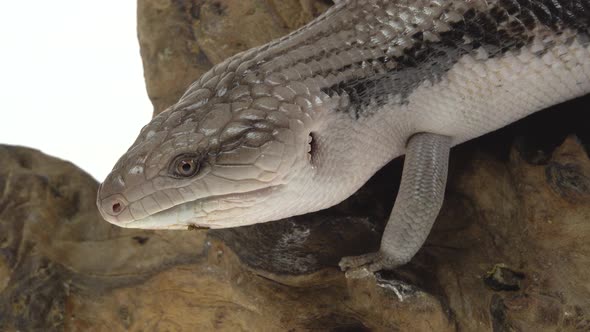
[[185, 166]]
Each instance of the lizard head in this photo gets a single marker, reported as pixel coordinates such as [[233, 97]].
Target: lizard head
[[223, 157]]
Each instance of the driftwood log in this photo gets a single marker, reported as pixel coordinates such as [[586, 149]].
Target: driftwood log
[[510, 250]]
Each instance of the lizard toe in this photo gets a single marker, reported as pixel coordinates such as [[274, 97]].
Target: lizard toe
[[352, 262], [365, 265]]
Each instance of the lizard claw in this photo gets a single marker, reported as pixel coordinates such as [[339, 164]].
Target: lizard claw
[[365, 265]]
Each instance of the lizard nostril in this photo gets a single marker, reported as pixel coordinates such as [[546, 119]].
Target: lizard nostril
[[113, 206], [117, 207]]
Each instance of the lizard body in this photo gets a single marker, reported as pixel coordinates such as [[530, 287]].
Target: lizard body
[[299, 124]]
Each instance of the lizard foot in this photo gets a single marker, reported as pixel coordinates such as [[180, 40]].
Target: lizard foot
[[364, 265]]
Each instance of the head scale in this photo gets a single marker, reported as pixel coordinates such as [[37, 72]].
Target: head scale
[[230, 149]]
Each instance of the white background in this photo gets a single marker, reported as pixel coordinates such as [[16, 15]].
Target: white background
[[71, 80]]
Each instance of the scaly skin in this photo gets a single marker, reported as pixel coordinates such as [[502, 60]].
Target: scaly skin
[[299, 124]]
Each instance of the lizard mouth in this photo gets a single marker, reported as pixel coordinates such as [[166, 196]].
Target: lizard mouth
[[208, 212]]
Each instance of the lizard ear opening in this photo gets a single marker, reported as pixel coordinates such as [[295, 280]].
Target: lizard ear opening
[[311, 147]]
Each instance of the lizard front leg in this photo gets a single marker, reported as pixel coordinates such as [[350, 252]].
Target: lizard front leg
[[418, 202]]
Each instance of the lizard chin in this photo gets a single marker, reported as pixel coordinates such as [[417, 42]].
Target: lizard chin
[[221, 211]]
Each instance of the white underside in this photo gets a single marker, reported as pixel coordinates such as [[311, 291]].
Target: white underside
[[475, 97], [478, 96]]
